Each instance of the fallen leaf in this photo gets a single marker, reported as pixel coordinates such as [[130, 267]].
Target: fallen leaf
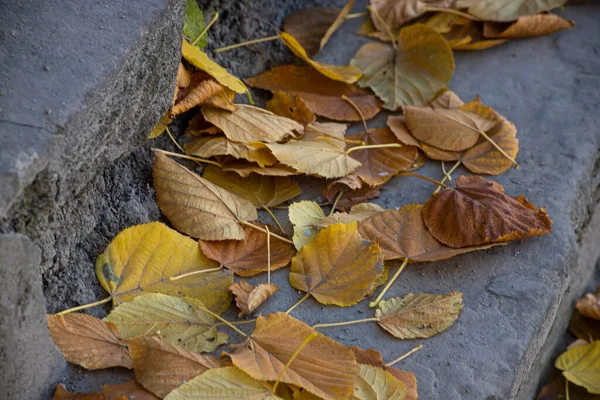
[[309, 26], [589, 305], [181, 322], [291, 106], [421, 315], [222, 100], [338, 266], [412, 75], [248, 257], [527, 26], [248, 298], [396, 13], [556, 391], [130, 390], [196, 206], [251, 124], [478, 212], [462, 33], [581, 366], [374, 384], [160, 127], [88, 341], [380, 164], [61, 393], [347, 73], [305, 216], [357, 213], [331, 130], [321, 95], [244, 169], [261, 191], [161, 367], [508, 10], [223, 383], [402, 234], [445, 99], [210, 146], [484, 158], [143, 258], [276, 338], [584, 328], [194, 23], [350, 197], [197, 94], [200, 60], [380, 281], [434, 153], [400, 130]]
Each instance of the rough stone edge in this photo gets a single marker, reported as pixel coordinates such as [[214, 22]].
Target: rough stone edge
[[581, 264]]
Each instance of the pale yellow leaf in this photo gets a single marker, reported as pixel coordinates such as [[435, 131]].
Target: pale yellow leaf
[[305, 216], [376, 384]]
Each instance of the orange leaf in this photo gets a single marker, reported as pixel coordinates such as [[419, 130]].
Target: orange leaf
[[212, 145], [61, 393], [291, 106], [484, 158], [248, 298], [196, 94], [129, 390]]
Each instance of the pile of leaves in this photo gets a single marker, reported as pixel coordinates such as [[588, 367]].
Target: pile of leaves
[[169, 287]]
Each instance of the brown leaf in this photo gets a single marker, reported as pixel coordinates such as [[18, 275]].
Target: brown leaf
[[556, 391], [275, 339], [350, 196], [161, 367], [248, 298], [381, 164], [337, 266], [446, 99], [320, 94], [291, 106], [527, 26], [584, 328], [478, 212], [462, 33], [396, 13], [433, 153], [196, 95], [484, 158], [331, 130], [196, 206], [61, 393], [88, 341], [244, 169], [209, 146], [130, 390], [589, 305], [248, 257], [402, 234], [507, 10], [357, 213]]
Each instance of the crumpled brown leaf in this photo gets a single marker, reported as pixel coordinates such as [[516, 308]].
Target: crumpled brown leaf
[[291, 106], [527, 26], [589, 305]]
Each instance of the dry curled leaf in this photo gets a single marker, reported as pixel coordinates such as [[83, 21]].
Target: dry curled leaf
[[291, 106], [527, 26], [422, 65], [161, 126], [305, 216], [88, 341], [181, 322], [261, 191], [321, 95], [353, 192], [396, 13], [581, 366], [197, 94], [375, 384], [275, 339], [589, 305], [248, 298], [196, 206], [507, 10], [478, 212], [248, 257], [251, 124], [402, 234], [209, 146], [338, 266], [143, 258], [161, 367], [419, 315]]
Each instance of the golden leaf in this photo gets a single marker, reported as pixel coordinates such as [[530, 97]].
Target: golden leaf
[[508, 10], [581, 365], [527, 26], [484, 158], [376, 384], [396, 13], [419, 315], [291, 106], [380, 164], [209, 146], [61, 393], [244, 169], [223, 383], [261, 191], [478, 212], [305, 216], [196, 206], [589, 305], [357, 213], [338, 266], [277, 337], [197, 94], [161, 367], [248, 257], [321, 95], [412, 75], [177, 321], [143, 258], [348, 73], [248, 298], [200, 60], [160, 127], [88, 341]]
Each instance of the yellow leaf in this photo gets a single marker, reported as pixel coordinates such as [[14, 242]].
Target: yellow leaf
[[196, 206], [177, 321], [348, 73], [581, 365], [223, 383], [357, 213], [143, 258], [376, 384], [508, 10], [251, 124], [419, 316], [161, 126], [161, 367], [305, 215], [338, 266], [209, 146], [262, 191], [248, 298], [200, 60], [88, 341]]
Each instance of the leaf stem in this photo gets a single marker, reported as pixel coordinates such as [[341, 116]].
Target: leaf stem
[[292, 358], [337, 198], [385, 26], [374, 146], [83, 307], [356, 321], [269, 253], [403, 356], [273, 216], [223, 320], [235, 323], [173, 140], [360, 114], [306, 296], [234, 46], [447, 175], [200, 271], [450, 11], [264, 230], [327, 203], [426, 178], [169, 153], [567, 388], [375, 303], [489, 139], [201, 35], [357, 15]]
